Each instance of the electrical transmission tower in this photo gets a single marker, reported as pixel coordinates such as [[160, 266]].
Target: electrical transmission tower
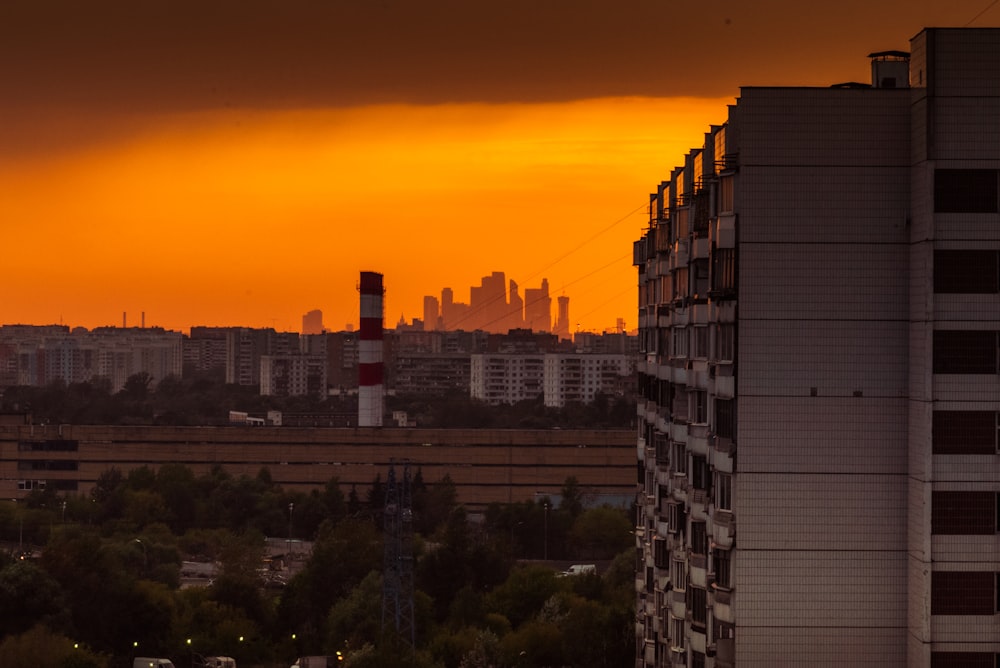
[[397, 578]]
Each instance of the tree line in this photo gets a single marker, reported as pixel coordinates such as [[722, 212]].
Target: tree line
[[207, 400], [88, 582]]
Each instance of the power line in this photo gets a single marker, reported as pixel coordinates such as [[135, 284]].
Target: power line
[[599, 269], [594, 236], [988, 8], [607, 301]]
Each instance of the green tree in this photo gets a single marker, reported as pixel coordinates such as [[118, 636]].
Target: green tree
[[343, 554], [522, 595], [485, 653], [572, 497], [238, 583], [28, 596], [600, 533], [176, 485], [356, 619], [42, 648], [137, 385]]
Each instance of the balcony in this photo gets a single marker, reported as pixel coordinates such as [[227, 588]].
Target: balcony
[[700, 248], [681, 254], [676, 603], [724, 231], [679, 432]]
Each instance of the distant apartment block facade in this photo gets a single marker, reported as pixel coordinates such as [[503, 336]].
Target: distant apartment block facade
[[559, 378], [435, 363], [579, 378], [41, 355], [502, 378], [819, 306], [434, 374], [301, 375]]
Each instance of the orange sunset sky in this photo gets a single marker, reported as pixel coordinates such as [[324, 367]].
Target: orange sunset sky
[[224, 162]]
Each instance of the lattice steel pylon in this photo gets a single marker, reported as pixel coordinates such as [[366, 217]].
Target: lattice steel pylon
[[397, 576]]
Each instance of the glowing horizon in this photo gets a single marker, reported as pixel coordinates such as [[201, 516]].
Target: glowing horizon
[[253, 218]]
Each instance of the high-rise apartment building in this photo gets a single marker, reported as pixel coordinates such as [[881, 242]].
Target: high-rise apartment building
[[819, 308]]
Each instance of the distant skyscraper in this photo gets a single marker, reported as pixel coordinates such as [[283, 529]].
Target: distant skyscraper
[[432, 314], [312, 322], [515, 308], [496, 306], [447, 308], [488, 304], [538, 308]]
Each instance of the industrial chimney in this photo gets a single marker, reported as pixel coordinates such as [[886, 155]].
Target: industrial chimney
[[370, 351]]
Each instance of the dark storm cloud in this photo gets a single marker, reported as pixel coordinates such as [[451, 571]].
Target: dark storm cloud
[[67, 64]]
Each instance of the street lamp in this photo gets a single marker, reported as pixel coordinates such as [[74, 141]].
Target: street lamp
[[291, 509], [20, 530], [145, 556], [546, 544]]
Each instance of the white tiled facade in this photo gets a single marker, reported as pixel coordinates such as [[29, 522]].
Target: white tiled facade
[[802, 331]]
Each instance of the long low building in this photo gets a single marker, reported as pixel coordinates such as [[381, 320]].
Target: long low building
[[486, 465]]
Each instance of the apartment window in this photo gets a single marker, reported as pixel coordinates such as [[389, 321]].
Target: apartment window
[[662, 448], [700, 342], [964, 660], [699, 538], [678, 578], [697, 660], [723, 630], [661, 554], [727, 192], [722, 562], [725, 341], [697, 604], [964, 432], [673, 515], [966, 272], [677, 632], [723, 271], [963, 513], [700, 278], [723, 491], [963, 593], [699, 472], [965, 191], [680, 338], [681, 290], [679, 403], [699, 406], [679, 460], [725, 418], [965, 352]]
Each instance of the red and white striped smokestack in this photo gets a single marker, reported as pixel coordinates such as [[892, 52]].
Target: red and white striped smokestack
[[370, 351]]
